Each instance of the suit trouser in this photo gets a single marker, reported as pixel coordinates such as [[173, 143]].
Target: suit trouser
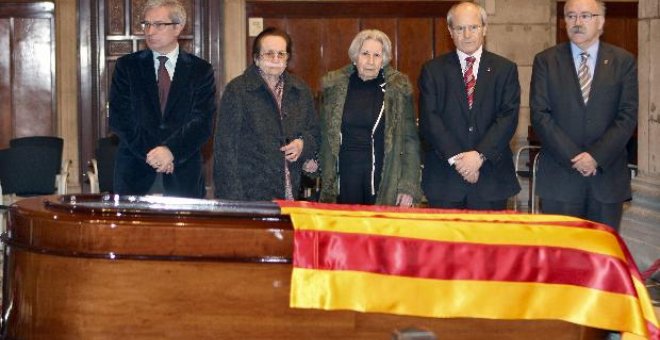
[[471, 201], [590, 209]]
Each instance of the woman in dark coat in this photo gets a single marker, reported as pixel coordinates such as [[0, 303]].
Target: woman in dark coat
[[266, 127], [370, 147]]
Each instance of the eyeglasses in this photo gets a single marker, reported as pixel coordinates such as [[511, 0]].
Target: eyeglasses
[[274, 54], [584, 17], [462, 29], [159, 26]]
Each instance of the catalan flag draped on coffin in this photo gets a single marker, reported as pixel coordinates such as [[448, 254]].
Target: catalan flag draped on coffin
[[447, 264]]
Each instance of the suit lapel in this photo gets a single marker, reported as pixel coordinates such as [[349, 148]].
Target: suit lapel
[[456, 77], [150, 83], [179, 81], [603, 69], [568, 69], [484, 80]]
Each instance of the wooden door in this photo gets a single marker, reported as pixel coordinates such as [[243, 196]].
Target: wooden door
[[27, 70], [322, 32]]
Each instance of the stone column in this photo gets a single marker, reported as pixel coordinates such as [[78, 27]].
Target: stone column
[[518, 30], [640, 227]]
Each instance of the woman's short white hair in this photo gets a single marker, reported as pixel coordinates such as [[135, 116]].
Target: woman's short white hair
[[360, 38]]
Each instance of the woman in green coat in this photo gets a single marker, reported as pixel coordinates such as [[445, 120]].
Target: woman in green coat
[[370, 145]]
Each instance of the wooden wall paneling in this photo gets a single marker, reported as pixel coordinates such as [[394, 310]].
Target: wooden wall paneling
[[5, 83], [388, 26], [134, 13], [32, 83], [307, 61], [116, 20], [337, 38], [415, 38], [442, 38]]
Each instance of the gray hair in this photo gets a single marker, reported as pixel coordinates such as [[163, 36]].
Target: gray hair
[[177, 12], [360, 38], [600, 3], [482, 13]]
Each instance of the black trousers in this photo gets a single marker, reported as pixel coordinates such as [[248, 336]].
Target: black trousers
[[591, 209], [471, 201], [355, 178]]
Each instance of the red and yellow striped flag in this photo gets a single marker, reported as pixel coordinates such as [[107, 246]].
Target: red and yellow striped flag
[[447, 264]]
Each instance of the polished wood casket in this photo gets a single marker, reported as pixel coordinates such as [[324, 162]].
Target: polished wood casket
[[111, 267]]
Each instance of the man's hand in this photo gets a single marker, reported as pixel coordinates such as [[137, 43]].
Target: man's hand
[[585, 164], [161, 159], [468, 165]]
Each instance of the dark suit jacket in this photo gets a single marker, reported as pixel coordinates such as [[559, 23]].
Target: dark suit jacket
[[449, 128], [184, 127], [567, 127]]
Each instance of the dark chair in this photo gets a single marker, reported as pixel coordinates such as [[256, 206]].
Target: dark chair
[[103, 165], [32, 166], [3, 207]]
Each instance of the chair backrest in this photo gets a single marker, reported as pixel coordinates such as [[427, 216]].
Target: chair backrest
[[106, 149], [47, 141], [4, 168], [33, 163]]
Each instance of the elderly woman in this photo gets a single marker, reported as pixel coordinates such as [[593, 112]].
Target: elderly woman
[[369, 147], [266, 127]]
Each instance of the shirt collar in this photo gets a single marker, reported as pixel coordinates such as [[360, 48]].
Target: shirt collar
[[592, 50], [477, 54], [171, 57]]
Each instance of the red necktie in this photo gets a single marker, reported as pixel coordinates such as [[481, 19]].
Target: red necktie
[[469, 80], [163, 82]]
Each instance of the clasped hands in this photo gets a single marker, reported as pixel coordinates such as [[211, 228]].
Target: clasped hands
[[585, 164], [161, 159], [293, 150], [467, 164]]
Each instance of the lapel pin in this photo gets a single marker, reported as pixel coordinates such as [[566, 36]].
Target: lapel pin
[[488, 69], [606, 61]]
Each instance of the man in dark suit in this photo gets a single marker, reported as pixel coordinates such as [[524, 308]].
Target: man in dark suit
[[584, 97], [469, 101], [162, 103]]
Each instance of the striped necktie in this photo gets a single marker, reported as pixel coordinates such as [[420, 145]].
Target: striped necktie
[[584, 77], [470, 80]]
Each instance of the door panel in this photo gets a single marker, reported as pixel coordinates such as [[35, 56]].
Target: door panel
[[27, 70]]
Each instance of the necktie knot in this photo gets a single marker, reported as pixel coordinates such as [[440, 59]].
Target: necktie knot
[[470, 60], [584, 56]]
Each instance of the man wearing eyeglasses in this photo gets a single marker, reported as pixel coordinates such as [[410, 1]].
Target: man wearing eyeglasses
[[469, 101], [162, 102], [584, 97]]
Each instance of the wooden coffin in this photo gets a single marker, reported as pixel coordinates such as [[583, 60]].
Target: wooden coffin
[[108, 267]]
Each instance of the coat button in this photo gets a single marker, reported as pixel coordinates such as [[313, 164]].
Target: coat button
[[471, 129]]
